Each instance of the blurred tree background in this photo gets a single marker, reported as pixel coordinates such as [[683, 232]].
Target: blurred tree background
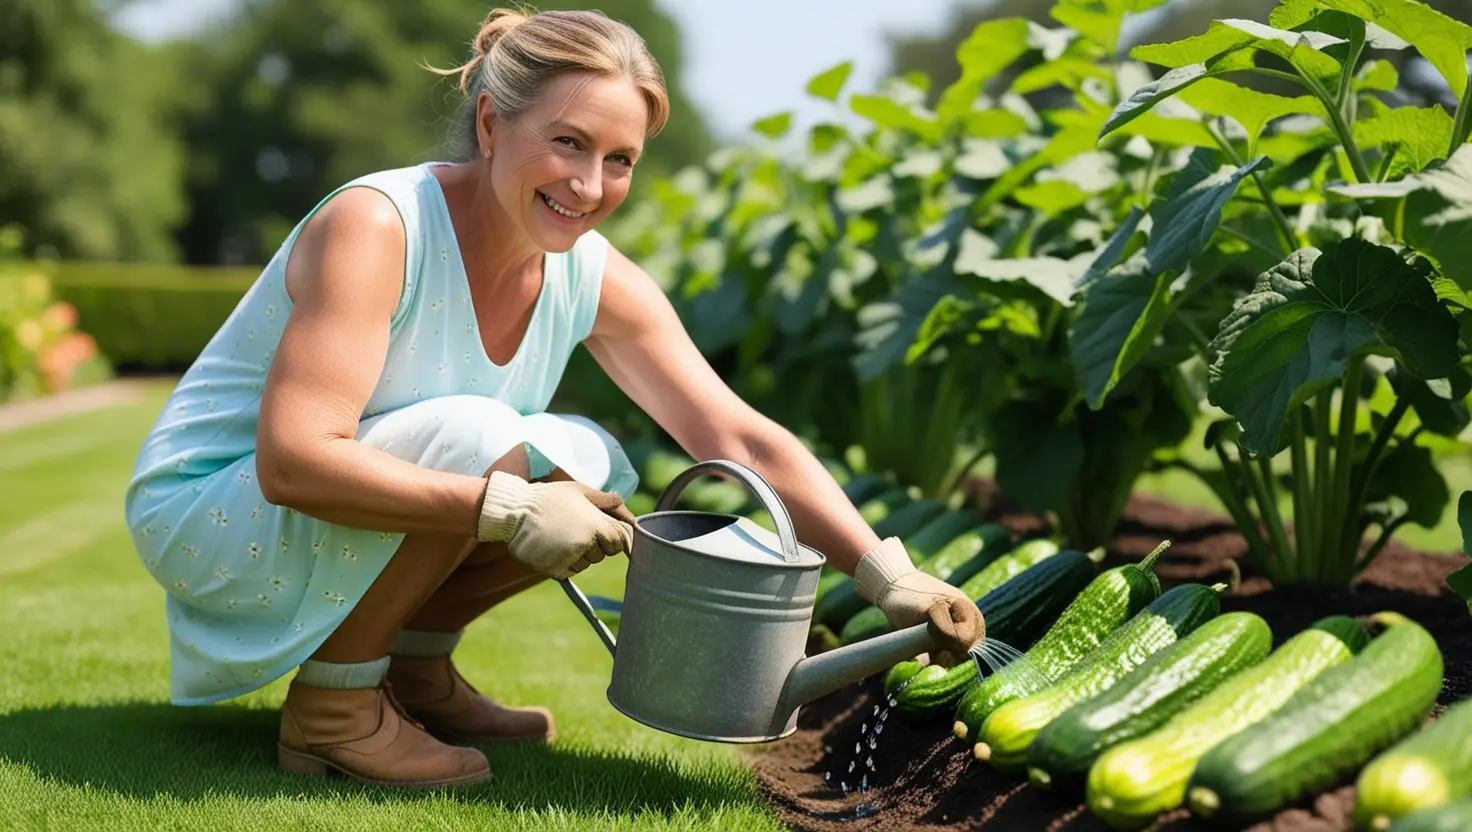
[[208, 151]]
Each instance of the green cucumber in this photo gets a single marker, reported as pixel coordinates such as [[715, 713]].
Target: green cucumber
[[981, 543], [1110, 600], [1323, 734], [932, 537], [1024, 556], [1146, 697], [879, 506], [1428, 768], [1448, 817], [1132, 783], [1007, 734], [908, 519], [863, 488], [968, 552], [1015, 613]]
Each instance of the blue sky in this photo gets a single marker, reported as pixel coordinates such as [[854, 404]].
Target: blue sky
[[745, 59]]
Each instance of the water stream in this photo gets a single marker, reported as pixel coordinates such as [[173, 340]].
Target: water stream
[[990, 656]]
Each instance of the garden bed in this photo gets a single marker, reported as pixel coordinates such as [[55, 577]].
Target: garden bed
[[925, 778]]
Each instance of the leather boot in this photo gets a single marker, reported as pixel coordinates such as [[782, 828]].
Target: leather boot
[[363, 734], [434, 693]]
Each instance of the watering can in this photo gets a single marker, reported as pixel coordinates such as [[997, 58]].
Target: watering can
[[715, 622]]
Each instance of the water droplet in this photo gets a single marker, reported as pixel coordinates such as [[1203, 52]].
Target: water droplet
[[857, 748], [864, 784], [864, 729], [864, 810], [884, 714], [844, 785], [870, 762], [875, 711], [851, 764], [873, 743], [827, 777], [892, 702], [878, 729]]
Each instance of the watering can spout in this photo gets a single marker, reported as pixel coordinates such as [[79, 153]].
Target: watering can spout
[[820, 675]]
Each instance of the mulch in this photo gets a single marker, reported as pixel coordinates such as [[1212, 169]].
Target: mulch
[[924, 778]]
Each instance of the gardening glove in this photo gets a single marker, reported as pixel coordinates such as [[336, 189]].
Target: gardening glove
[[557, 529], [887, 579]]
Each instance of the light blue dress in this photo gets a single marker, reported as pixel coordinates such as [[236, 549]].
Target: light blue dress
[[253, 589]]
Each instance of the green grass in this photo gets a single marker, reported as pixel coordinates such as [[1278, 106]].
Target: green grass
[[88, 739]]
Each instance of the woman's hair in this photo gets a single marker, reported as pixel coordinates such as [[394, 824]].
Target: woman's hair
[[516, 54]]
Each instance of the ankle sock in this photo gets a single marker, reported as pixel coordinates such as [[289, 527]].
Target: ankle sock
[[343, 676], [424, 644]]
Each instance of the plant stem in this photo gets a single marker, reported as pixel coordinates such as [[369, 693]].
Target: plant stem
[[1346, 516], [1248, 239], [1463, 123], [1385, 162], [1303, 527], [1280, 221], [1267, 497], [1196, 336], [1386, 532], [960, 477], [1341, 128], [1237, 505], [1366, 474], [1323, 471], [1344, 96]]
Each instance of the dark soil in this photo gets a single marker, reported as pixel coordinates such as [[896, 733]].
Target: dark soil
[[926, 779]]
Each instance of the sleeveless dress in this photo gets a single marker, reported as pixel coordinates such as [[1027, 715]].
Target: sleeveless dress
[[253, 589]]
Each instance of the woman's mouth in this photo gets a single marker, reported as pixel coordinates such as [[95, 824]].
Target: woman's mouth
[[559, 209]]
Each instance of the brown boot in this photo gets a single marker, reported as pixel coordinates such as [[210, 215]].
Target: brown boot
[[434, 693], [361, 733]]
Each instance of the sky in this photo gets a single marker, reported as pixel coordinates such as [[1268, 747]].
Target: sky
[[744, 59]]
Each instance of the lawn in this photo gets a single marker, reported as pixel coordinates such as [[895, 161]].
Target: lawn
[[88, 739]]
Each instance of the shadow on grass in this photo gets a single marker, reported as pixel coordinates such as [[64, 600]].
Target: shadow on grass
[[146, 750]]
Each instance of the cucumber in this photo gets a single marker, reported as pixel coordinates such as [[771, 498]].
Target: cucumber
[[1110, 600], [1328, 729], [906, 520], [1448, 817], [967, 553], [863, 488], [1015, 613], [1007, 734], [1135, 781], [1146, 697], [1026, 555], [932, 537], [981, 543], [1428, 768], [878, 507]]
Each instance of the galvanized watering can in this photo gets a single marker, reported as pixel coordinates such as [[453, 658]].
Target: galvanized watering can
[[715, 622]]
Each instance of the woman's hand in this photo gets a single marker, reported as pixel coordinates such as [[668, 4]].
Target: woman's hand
[[888, 579], [557, 529]]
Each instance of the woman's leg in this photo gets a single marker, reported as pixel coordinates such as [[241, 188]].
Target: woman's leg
[[338, 715]]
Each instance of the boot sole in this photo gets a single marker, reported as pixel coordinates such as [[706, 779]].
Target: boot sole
[[298, 762], [479, 739]]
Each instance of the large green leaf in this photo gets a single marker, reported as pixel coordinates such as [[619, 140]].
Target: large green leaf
[[1099, 20], [1460, 581], [774, 126], [992, 47], [1408, 472], [1049, 275], [1252, 109], [887, 112], [1113, 249], [1441, 407], [1420, 135], [1037, 456], [887, 328], [1308, 316], [1186, 220], [1442, 40], [1224, 38], [1065, 72], [1117, 319], [1141, 100], [829, 83]]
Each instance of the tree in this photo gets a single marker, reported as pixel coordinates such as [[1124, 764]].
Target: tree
[[89, 165], [308, 94]]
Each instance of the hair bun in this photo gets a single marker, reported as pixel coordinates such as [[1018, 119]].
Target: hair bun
[[497, 23]]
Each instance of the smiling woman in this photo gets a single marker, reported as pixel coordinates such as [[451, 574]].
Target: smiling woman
[[360, 462]]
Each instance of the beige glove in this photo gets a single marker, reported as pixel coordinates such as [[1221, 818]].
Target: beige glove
[[887, 579], [558, 529]]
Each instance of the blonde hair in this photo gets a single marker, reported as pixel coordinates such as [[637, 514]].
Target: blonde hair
[[516, 54]]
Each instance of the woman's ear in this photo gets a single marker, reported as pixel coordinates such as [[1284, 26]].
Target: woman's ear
[[486, 123]]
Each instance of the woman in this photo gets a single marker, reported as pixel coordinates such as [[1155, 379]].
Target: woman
[[360, 463]]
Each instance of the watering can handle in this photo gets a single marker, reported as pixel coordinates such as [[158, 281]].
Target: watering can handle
[[585, 607], [754, 482]]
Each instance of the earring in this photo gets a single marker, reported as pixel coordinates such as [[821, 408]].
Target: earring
[[488, 154]]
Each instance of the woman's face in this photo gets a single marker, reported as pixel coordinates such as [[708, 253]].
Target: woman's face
[[566, 162]]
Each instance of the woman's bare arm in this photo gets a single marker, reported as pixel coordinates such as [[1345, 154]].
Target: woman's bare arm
[[643, 346], [345, 277]]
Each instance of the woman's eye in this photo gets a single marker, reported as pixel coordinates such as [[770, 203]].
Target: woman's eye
[[567, 140], [622, 159]]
